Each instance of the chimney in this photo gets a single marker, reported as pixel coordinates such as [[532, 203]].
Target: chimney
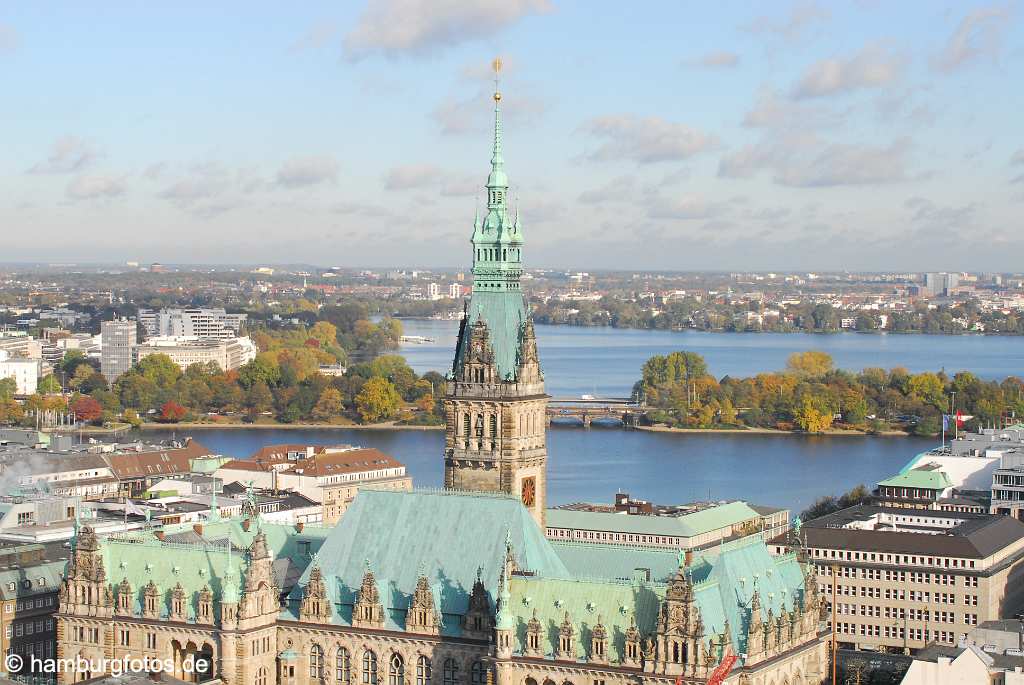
[[688, 558], [198, 528], [159, 535], [299, 526]]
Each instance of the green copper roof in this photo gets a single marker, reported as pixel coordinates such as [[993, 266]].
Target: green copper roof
[[725, 592], [505, 314], [447, 536], [616, 562], [723, 578], [195, 560], [698, 523], [927, 479], [586, 601]]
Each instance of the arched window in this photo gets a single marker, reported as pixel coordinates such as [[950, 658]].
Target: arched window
[[261, 676], [396, 669], [477, 673], [316, 662], [422, 671], [530, 681], [343, 667], [451, 672], [465, 423], [369, 668]]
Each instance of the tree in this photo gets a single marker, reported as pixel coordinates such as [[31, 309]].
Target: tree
[[8, 388], [132, 417], [377, 400], [49, 385], [329, 406], [11, 411], [160, 369], [929, 388], [81, 374], [812, 416], [87, 408], [136, 391], [172, 412], [258, 399], [264, 368], [809, 364]]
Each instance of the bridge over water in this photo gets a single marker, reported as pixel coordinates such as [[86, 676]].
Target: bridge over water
[[586, 409]]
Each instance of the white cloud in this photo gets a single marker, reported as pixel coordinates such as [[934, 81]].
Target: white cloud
[[646, 139], [429, 176], [475, 115], [411, 176], [419, 27], [621, 189], [684, 208], [805, 161], [717, 60], [94, 186], [1018, 157], [843, 164], [301, 172], [69, 154], [872, 67], [774, 111], [979, 34], [801, 16]]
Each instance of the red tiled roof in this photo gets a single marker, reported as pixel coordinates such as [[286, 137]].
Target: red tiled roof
[[351, 461], [157, 463]]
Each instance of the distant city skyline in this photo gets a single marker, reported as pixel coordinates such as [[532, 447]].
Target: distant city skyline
[[858, 136]]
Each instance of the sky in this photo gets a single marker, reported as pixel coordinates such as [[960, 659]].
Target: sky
[[862, 135]]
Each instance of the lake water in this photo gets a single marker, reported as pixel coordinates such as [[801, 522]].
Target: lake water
[[606, 362], [592, 464]]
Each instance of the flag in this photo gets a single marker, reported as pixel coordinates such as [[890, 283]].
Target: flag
[[959, 419], [945, 422]]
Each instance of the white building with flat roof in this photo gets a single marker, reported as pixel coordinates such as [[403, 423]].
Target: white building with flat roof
[[25, 372], [228, 354], [195, 323]]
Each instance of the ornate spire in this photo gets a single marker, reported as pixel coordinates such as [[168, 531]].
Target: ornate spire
[[497, 178]]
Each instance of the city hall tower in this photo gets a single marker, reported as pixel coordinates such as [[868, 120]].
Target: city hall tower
[[494, 401]]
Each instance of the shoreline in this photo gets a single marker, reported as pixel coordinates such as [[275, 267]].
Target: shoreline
[[393, 426], [284, 426], [773, 431]]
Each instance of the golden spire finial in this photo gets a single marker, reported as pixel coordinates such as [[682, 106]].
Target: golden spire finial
[[496, 65]]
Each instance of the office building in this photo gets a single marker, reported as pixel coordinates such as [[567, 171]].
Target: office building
[[227, 353], [118, 340], [190, 323], [908, 577]]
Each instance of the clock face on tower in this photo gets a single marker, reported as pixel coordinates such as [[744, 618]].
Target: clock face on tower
[[529, 491]]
